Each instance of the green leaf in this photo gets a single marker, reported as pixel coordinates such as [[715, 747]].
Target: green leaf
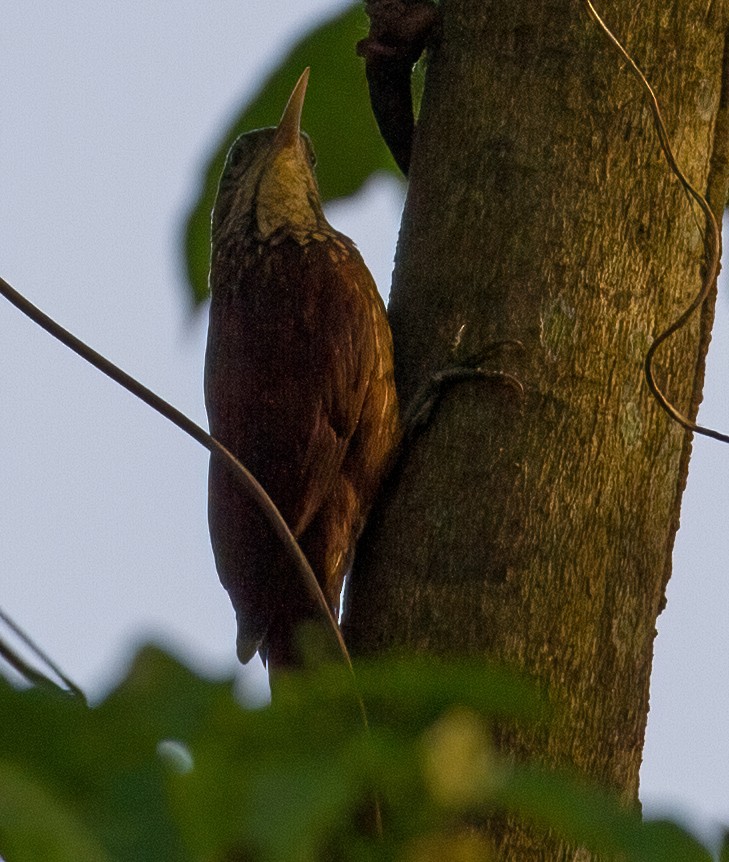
[[286, 781], [35, 824], [337, 117], [665, 841], [105, 766], [592, 817], [171, 767], [724, 850]]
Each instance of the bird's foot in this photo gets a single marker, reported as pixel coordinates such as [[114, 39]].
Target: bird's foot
[[432, 392]]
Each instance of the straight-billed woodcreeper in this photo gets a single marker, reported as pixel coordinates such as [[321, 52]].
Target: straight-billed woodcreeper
[[299, 384]]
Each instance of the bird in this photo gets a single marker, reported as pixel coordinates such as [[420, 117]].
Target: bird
[[299, 385]]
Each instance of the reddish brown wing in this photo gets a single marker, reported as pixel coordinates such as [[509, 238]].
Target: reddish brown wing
[[330, 539], [290, 358]]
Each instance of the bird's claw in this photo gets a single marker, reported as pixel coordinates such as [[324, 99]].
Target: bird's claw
[[431, 393]]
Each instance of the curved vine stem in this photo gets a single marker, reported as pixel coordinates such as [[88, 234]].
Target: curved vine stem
[[712, 240]]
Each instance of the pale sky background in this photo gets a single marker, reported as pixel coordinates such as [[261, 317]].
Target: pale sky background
[[107, 112]]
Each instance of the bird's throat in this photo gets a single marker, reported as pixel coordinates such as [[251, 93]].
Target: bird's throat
[[287, 200]]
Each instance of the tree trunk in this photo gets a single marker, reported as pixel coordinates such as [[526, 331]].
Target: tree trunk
[[538, 530]]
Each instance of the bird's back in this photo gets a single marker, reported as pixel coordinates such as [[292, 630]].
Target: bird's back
[[299, 385]]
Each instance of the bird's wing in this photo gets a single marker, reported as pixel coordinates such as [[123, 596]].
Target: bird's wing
[[290, 357], [342, 369], [289, 361]]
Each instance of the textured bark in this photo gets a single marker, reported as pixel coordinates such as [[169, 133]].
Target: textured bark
[[539, 531]]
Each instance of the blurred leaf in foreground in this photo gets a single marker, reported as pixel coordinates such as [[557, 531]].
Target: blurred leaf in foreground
[[170, 766]]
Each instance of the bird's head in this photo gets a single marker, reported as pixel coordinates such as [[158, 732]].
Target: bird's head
[[268, 186]]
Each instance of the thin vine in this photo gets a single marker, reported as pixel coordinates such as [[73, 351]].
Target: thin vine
[[711, 237]]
